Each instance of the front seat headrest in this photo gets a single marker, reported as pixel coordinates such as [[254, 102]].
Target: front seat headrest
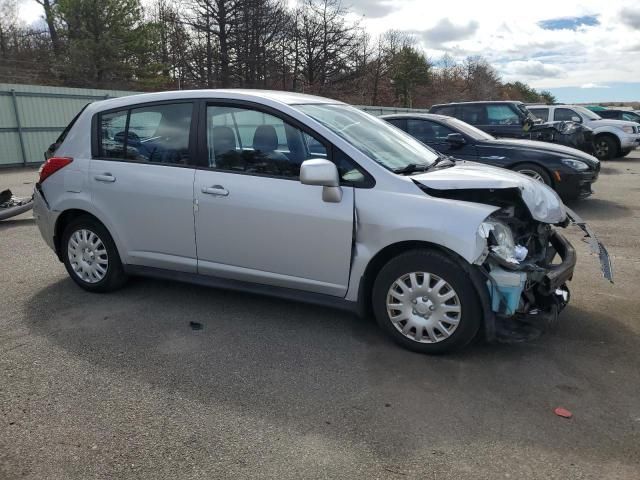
[[223, 140], [265, 138]]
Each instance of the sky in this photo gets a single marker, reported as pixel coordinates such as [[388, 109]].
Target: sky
[[580, 50]]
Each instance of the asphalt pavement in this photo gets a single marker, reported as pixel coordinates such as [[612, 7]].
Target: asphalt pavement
[[122, 386]]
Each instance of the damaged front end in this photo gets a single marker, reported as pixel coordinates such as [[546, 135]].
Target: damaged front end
[[526, 262], [527, 266]]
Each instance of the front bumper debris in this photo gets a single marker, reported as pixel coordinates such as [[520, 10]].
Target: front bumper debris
[[530, 325], [596, 246], [559, 274], [545, 296]]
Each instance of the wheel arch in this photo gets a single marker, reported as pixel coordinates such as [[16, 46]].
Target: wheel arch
[[548, 171], [390, 251], [611, 135], [64, 219]]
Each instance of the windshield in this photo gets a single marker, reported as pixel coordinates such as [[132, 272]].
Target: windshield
[[469, 130], [587, 113], [387, 145]]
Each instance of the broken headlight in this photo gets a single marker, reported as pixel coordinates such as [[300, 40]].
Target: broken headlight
[[500, 241]]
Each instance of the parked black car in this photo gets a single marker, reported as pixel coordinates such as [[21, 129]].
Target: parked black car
[[619, 115], [499, 118], [568, 171]]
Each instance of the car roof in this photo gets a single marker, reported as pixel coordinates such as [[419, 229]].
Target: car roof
[[426, 116], [287, 98], [476, 102]]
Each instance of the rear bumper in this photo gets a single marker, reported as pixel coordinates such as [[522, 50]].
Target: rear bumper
[[44, 217]]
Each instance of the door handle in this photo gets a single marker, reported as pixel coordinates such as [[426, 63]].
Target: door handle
[[217, 190], [105, 177]]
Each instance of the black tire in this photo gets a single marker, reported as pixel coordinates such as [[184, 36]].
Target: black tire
[[447, 269], [530, 168], [625, 153], [605, 147], [114, 277]]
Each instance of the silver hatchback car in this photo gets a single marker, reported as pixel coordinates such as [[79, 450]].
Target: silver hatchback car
[[305, 198]]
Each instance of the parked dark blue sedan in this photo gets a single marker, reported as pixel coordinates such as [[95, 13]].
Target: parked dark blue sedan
[[570, 172]]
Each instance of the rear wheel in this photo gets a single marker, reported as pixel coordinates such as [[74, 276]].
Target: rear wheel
[[426, 303], [534, 171], [90, 256], [605, 147]]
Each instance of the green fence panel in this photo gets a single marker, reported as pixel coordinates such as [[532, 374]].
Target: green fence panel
[[32, 117]]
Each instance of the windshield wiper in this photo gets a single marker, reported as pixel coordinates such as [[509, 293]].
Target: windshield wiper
[[422, 167], [442, 159], [412, 168]]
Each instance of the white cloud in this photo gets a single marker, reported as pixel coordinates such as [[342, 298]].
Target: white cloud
[[593, 85], [445, 31], [631, 17], [533, 69]]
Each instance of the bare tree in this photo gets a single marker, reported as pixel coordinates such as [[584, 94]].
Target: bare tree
[[50, 17]]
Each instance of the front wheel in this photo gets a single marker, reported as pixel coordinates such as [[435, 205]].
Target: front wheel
[[90, 256], [605, 147], [426, 303], [534, 171]]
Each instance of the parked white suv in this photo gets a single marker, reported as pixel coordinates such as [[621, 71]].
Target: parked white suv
[[306, 198], [612, 138]]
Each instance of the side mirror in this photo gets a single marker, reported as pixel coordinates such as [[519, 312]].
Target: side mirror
[[325, 174], [455, 140], [576, 119]]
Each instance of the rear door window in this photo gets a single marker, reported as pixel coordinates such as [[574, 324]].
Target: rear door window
[[564, 115], [427, 131], [113, 130], [473, 114], [541, 113], [148, 134]]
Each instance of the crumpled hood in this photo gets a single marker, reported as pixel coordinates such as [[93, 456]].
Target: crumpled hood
[[560, 150], [543, 203]]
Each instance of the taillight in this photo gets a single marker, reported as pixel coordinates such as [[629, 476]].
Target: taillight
[[52, 165]]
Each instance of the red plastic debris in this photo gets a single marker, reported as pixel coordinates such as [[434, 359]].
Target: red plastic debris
[[563, 412]]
